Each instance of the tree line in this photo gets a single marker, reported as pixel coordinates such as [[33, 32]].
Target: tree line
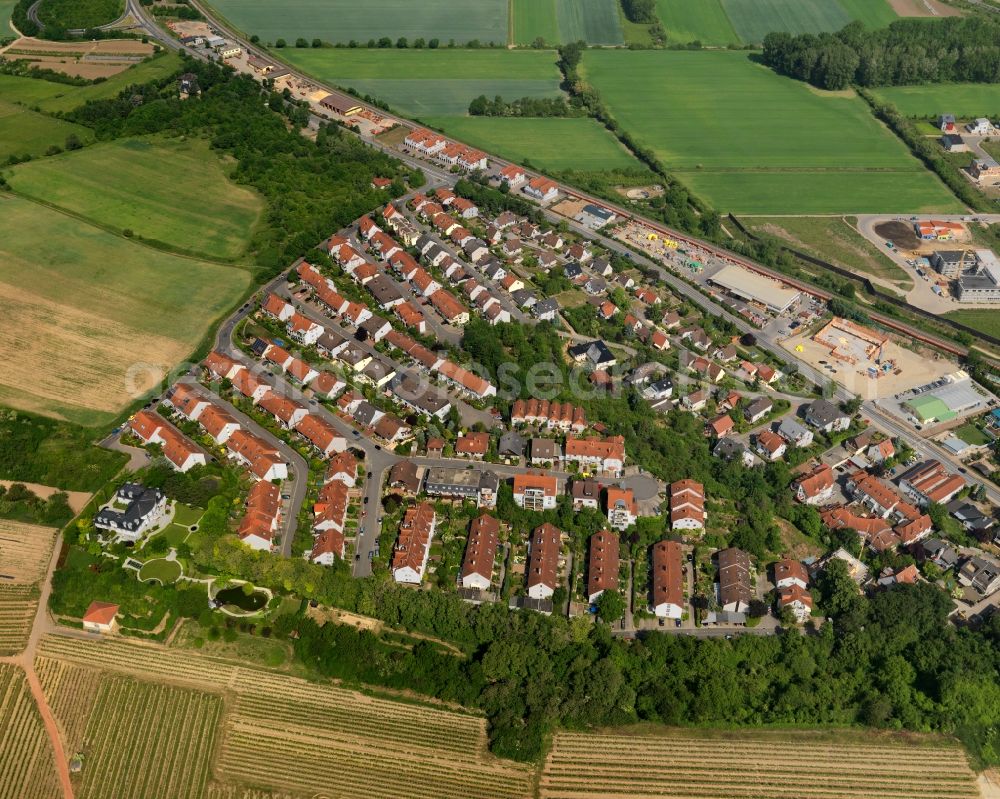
[[482, 106], [909, 51]]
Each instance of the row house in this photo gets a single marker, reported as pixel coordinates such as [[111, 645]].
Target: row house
[[605, 455], [261, 517], [930, 482], [687, 505], [480, 553], [182, 453], [668, 580], [816, 487], [543, 561], [602, 567], [413, 544]]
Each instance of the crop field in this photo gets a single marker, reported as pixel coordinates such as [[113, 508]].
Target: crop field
[[345, 20], [93, 319], [964, 100], [26, 768], [552, 143], [332, 735], [758, 142], [753, 764], [71, 692], [18, 603], [148, 739], [833, 239], [754, 19], [132, 184], [433, 82], [24, 551], [705, 21], [25, 132], [54, 97], [561, 21]]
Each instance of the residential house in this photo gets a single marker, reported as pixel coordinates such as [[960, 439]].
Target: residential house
[[480, 553], [144, 509], [795, 433], [815, 487], [770, 445], [585, 494], [473, 445], [607, 455], [735, 580], [261, 517], [622, 509], [543, 561], [826, 416], [535, 491], [542, 189], [100, 617], [758, 409], [413, 545], [930, 482], [460, 484], [182, 453], [602, 568], [687, 505], [668, 580]]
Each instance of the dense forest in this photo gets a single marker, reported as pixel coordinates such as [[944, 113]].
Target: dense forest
[[955, 49], [312, 187]]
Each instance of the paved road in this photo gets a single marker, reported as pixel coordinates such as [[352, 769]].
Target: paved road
[[137, 458]]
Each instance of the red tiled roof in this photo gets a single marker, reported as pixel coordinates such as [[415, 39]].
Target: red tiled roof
[[543, 560], [480, 552], [602, 572], [100, 613]]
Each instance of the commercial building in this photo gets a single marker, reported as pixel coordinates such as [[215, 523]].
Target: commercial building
[[982, 284], [755, 288]]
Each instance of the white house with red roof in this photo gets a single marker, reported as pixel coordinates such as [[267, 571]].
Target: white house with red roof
[[100, 617]]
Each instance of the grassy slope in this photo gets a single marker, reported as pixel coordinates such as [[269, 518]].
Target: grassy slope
[[133, 183], [754, 19], [705, 21], [834, 240], [55, 97], [534, 18], [554, 144], [757, 142], [434, 82], [961, 99], [342, 20], [24, 132], [88, 305]]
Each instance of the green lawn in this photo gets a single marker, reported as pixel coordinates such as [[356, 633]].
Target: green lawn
[[24, 132], [433, 82], [985, 319], [551, 144], [964, 100], [166, 571], [54, 97], [534, 18], [751, 141], [80, 13], [835, 240], [91, 319], [170, 190], [343, 20], [186, 516], [971, 434], [703, 21]]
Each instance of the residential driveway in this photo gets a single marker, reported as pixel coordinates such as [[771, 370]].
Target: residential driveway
[[137, 458]]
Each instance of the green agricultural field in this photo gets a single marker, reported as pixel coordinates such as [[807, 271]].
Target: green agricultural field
[[426, 82], [6, 9], [55, 97], [554, 144], [93, 320], [754, 19], [343, 20], [80, 13], [964, 100], [704, 21], [531, 19], [758, 142], [834, 239], [873, 13], [24, 132], [137, 184], [593, 21]]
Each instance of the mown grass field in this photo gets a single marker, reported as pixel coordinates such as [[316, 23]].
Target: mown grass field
[[433, 82], [964, 100], [984, 319], [166, 571], [758, 142], [705, 21], [55, 97], [746, 764], [343, 20], [24, 132], [169, 190], [551, 144], [6, 9], [92, 319], [72, 14], [833, 239]]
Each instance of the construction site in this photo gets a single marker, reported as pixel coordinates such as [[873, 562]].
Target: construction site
[[866, 361]]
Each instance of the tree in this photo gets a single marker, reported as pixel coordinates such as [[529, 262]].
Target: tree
[[433, 44], [384, 42], [317, 43], [279, 43], [402, 43], [640, 11], [610, 606], [300, 42], [419, 43]]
